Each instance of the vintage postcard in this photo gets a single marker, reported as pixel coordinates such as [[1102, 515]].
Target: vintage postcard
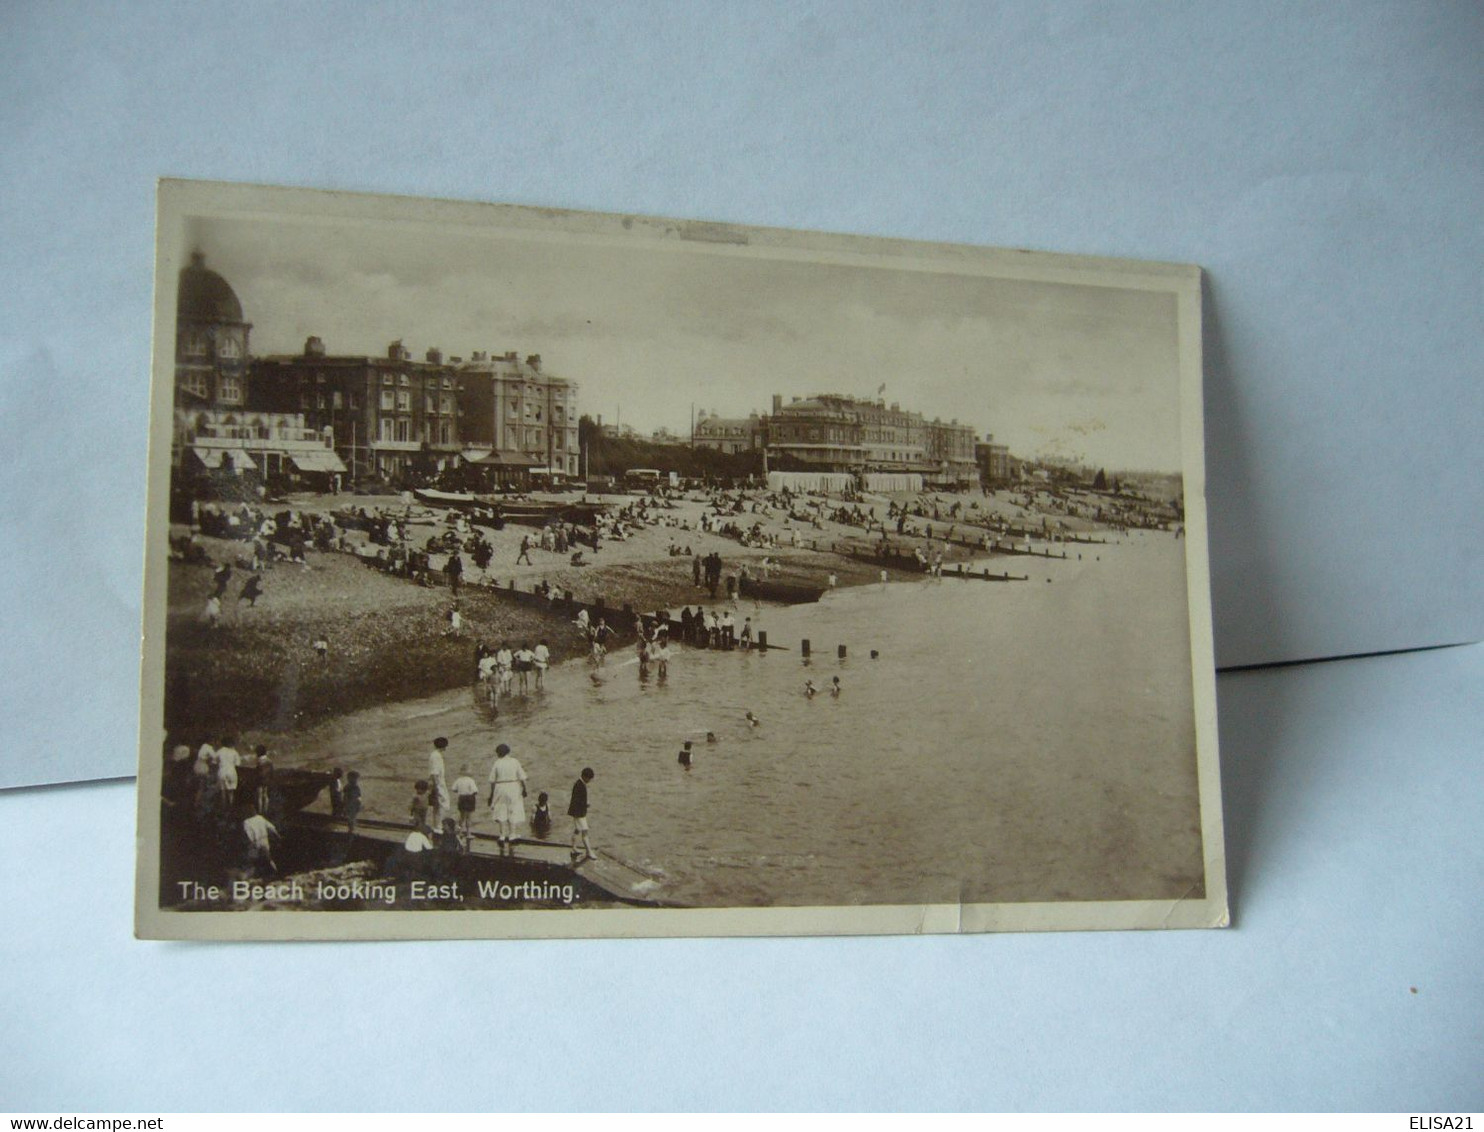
[[515, 572]]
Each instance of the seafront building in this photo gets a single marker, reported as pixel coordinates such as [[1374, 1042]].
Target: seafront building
[[217, 434], [728, 435], [314, 416], [831, 434], [993, 460], [391, 417], [518, 420]]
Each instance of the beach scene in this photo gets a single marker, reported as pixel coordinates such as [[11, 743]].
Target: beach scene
[[439, 635]]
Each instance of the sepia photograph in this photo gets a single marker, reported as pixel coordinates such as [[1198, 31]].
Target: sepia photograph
[[519, 572]]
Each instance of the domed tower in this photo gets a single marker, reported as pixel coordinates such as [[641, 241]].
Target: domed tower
[[211, 341]]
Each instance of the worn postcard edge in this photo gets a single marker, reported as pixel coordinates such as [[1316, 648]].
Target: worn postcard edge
[[180, 199]]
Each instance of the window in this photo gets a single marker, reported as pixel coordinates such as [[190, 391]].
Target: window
[[386, 379], [227, 346], [404, 401], [445, 432], [428, 403], [194, 381], [386, 431], [404, 429], [403, 381], [355, 401], [319, 399], [448, 404], [229, 392], [338, 400], [388, 401], [195, 344]]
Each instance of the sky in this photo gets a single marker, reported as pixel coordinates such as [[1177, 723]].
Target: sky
[[651, 330]]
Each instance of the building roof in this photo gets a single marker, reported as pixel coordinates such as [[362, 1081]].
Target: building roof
[[204, 296]]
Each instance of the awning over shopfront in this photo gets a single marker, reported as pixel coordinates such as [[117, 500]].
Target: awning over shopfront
[[509, 460], [320, 460], [234, 459]]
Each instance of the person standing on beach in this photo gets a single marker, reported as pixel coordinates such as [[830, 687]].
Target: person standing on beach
[[504, 666], [252, 589], [582, 849], [227, 760], [455, 570], [525, 661], [542, 661], [525, 551], [437, 781], [351, 807], [466, 793], [507, 797]]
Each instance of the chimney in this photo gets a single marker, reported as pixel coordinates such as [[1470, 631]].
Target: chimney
[[434, 355], [777, 402], [314, 347], [398, 352], [534, 361]]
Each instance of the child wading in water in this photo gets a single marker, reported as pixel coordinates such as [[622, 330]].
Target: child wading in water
[[541, 819]]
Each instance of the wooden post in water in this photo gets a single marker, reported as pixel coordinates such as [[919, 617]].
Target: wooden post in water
[[840, 652], [762, 641], [804, 646]]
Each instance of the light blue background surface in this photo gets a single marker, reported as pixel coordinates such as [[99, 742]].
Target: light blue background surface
[[1323, 162], [1353, 817]]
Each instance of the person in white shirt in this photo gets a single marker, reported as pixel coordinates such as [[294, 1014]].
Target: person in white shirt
[[542, 660], [260, 832], [227, 761], [504, 665], [466, 797], [525, 661], [203, 771], [507, 797], [437, 782]]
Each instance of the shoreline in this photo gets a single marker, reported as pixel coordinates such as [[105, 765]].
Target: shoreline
[[388, 638]]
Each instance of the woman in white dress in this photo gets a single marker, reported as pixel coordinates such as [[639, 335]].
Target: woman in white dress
[[507, 797]]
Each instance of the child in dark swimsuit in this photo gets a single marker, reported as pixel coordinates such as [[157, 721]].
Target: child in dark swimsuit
[[541, 819]]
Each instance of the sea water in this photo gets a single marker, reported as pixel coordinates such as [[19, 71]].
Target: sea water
[[1011, 741]]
